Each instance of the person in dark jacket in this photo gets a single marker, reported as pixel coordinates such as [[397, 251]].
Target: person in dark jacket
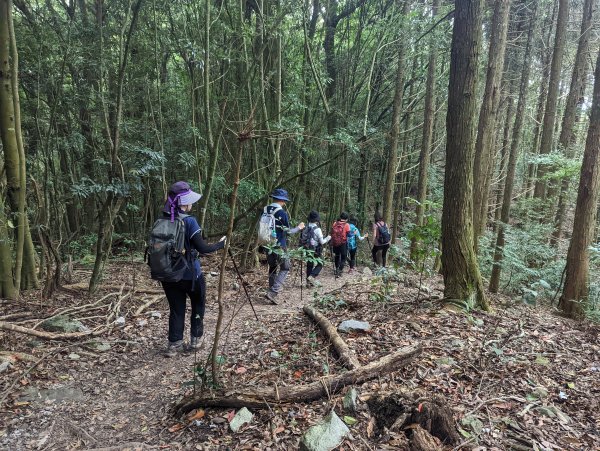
[[381, 245], [279, 265], [179, 202]]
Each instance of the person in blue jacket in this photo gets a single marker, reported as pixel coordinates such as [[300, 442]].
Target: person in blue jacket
[[179, 202], [279, 265], [352, 243]]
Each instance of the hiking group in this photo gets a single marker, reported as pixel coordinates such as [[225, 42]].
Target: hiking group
[[176, 242]]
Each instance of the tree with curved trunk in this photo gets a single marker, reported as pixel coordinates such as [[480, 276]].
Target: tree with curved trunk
[[575, 291], [552, 100], [568, 138], [513, 158], [462, 278], [488, 116]]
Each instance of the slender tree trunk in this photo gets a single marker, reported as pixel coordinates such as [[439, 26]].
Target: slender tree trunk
[[7, 286], [392, 143], [568, 137], [462, 278], [426, 142], [487, 116], [575, 292], [513, 158], [552, 100]]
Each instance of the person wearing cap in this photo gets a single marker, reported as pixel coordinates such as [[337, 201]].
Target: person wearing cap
[[317, 242], [279, 265], [179, 203]]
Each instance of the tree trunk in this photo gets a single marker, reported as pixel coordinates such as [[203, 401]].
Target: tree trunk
[[487, 116], [7, 286], [428, 123], [552, 100], [513, 158], [575, 292], [575, 98], [461, 272], [392, 142]]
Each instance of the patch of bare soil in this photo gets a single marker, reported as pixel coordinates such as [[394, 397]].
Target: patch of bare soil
[[521, 378]]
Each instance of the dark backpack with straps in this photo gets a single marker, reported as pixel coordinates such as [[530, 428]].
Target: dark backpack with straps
[[384, 236], [166, 254], [307, 237]]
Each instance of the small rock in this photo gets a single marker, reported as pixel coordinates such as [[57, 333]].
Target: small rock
[[350, 400], [275, 354], [235, 286], [326, 435], [4, 366], [62, 323], [101, 347], [120, 321], [213, 274], [367, 271], [243, 416], [74, 356], [142, 322], [540, 392], [354, 326], [155, 314], [219, 420]]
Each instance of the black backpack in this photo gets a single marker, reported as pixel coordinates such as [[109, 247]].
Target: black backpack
[[166, 253], [384, 236], [307, 237]]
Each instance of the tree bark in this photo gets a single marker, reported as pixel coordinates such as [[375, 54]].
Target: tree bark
[[392, 142], [575, 98], [488, 116], [552, 100], [513, 158], [261, 398], [459, 264], [575, 292], [428, 123]]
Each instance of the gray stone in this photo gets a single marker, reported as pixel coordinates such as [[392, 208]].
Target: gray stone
[[540, 392], [53, 394], [63, 323], [100, 347], [235, 286], [74, 356], [326, 435], [367, 271], [155, 314], [350, 400], [4, 366], [120, 321], [142, 322], [275, 354], [243, 416], [352, 325]]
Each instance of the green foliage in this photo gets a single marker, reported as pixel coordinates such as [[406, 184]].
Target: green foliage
[[384, 284]]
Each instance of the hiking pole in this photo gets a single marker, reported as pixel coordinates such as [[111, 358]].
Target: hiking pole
[[242, 282], [301, 283]]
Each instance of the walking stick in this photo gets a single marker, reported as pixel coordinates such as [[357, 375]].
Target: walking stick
[[301, 283], [242, 282]]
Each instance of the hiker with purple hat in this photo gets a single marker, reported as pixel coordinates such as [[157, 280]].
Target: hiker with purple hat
[[279, 265], [173, 248]]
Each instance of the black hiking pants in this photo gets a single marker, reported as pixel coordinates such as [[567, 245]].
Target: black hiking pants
[[352, 254], [340, 256], [177, 293], [379, 254], [312, 269]]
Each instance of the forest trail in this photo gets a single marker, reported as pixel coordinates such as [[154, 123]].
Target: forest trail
[[512, 368]]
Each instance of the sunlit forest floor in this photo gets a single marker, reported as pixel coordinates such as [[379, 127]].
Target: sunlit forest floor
[[519, 378]]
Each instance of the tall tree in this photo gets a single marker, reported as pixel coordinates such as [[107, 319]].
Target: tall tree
[[392, 144], [462, 278], [488, 116], [568, 137], [553, 91], [427, 139], [513, 157], [575, 291]]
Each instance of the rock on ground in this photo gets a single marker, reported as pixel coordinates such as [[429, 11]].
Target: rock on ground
[[352, 325], [326, 435]]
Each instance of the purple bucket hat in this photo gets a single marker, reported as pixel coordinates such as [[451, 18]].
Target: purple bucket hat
[[180, 194]]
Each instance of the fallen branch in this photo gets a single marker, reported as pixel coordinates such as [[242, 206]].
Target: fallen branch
[[148, 303], [50, 335], [340, 346], [328, 385]]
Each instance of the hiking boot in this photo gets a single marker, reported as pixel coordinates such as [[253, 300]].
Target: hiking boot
[[173, 348], [272, 296], [195, 344], [310, 281]]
